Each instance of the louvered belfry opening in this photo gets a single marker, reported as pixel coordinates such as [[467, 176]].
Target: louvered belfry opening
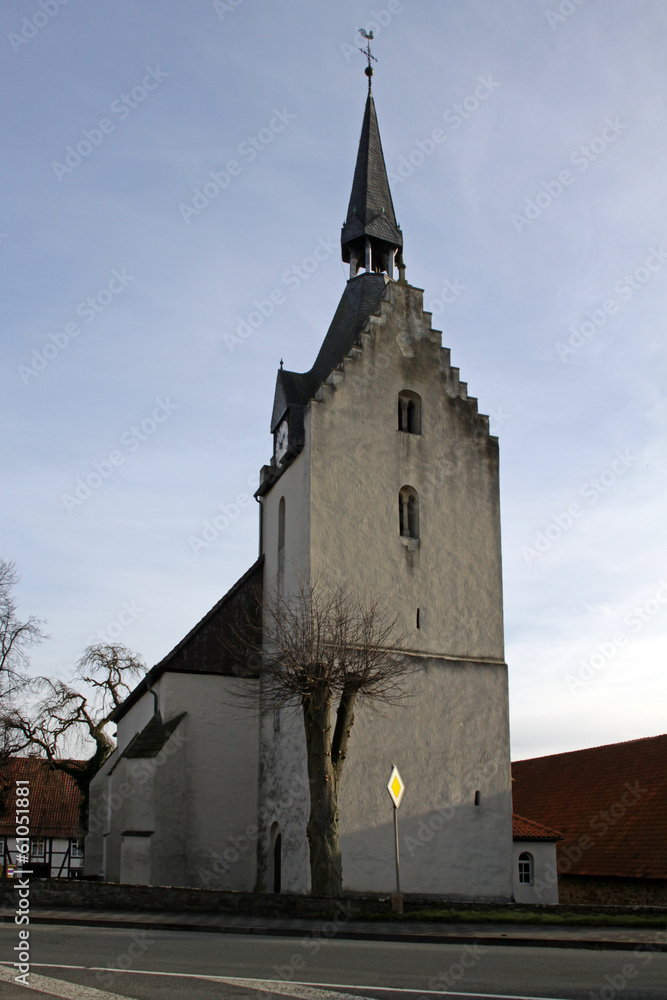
[[371, 239]]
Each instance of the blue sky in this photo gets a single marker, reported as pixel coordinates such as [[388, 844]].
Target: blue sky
[[527, 145]]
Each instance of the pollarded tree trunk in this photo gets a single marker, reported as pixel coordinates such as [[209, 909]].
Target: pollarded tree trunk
[[326, 872], [322, 646], [326, 757]]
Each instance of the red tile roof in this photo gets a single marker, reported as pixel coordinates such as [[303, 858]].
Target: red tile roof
[[54, 799], [609, 802], [527, 829]]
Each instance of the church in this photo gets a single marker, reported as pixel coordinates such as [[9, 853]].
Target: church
[[383, 474]]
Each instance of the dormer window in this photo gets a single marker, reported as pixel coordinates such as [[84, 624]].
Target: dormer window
[[409, 412]]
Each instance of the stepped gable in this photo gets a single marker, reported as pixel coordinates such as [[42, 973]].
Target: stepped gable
[[370, 240], [416, 326]]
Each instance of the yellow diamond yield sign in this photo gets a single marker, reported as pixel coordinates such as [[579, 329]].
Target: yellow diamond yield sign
[[395, 786]]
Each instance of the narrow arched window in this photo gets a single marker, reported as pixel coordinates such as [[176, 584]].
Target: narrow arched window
[[408, 512], [409, 412], [281, 524], [526, 872]]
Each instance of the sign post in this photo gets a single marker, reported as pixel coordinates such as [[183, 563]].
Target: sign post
[[395, 787]]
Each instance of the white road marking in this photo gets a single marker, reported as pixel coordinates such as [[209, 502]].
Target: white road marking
[[292, 989], [299, 990], [308, 991], [435, 993], [57, 987]]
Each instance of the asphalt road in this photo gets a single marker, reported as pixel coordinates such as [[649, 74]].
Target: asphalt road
[[200, 966]]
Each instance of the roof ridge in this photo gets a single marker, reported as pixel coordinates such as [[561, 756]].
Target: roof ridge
[[601, 746]]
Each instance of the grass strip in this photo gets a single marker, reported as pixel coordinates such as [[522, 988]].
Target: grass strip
[[509, 916]]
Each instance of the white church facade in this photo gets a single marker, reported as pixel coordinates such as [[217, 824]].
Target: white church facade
[[383, 475]]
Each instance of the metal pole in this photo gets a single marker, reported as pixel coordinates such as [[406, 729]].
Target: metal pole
[[398, 876]]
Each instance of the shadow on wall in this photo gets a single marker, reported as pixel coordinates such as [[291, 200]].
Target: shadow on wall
[[462, 851]]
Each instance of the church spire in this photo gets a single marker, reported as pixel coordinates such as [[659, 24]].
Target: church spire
[[371, 238]]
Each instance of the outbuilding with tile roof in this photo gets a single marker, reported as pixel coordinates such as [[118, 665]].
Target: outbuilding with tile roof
[[534, 871], [610, 805]]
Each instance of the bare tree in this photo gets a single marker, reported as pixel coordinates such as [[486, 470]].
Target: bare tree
[[16, 636], [326, 650], [71, 714]]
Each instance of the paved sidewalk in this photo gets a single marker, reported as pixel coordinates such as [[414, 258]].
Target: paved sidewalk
[[536, 935]]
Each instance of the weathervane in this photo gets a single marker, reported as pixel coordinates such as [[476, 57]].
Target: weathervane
[[368, 35]]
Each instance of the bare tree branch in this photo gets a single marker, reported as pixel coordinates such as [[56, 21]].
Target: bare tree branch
[[16, 636], [75, 713]]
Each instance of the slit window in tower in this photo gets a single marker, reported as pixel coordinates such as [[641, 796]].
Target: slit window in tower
[[281, 525]]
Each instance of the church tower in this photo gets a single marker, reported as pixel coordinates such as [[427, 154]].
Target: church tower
[[384, 475]]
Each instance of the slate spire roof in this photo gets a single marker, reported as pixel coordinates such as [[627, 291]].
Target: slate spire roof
[[370, 218], [371, 209]]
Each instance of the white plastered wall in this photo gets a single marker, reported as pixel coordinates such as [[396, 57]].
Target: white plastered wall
[[454, 836], [452, 737], [282, 774], [197, 798]]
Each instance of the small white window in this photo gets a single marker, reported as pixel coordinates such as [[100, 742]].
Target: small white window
[[76, 848], [526, 869], [37, 848]]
